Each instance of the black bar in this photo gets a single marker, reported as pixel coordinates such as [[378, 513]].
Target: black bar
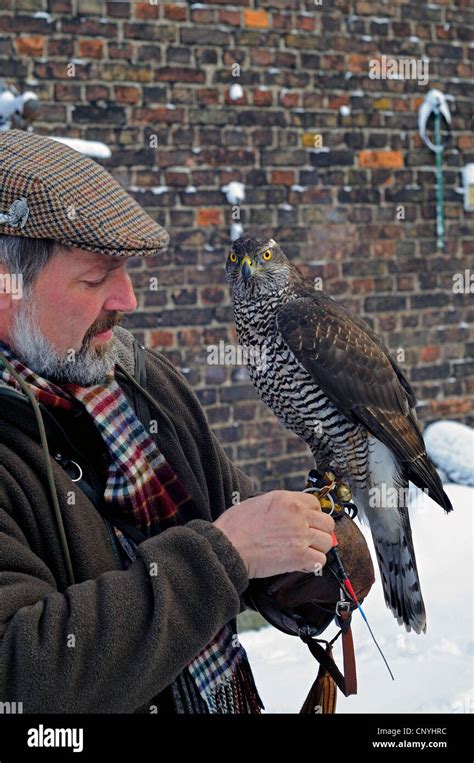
[[141, 737]]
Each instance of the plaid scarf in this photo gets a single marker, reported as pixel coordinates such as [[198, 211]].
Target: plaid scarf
[[150, 496]]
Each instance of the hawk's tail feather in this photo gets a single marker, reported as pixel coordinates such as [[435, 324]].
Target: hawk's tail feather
[[423, 474], [400, 582]]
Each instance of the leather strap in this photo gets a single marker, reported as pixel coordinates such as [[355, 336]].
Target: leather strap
[[348, 658], [347, 683], [139, 401]]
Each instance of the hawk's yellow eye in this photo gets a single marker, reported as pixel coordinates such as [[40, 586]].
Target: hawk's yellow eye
[[267, 255], [232, 257]]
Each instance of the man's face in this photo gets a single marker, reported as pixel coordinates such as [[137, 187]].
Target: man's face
[[53, 328]]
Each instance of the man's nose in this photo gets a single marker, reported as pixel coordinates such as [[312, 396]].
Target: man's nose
[[122, 296]]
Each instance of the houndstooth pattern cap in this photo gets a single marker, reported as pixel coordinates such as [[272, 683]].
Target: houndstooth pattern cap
[[49, 190]]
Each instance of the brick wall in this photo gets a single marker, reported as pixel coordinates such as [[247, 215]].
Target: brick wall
[[152, 81]]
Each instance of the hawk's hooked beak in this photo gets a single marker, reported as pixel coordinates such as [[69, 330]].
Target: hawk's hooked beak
[[246, 268]]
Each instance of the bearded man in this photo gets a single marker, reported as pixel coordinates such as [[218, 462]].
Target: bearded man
[[124, 558]]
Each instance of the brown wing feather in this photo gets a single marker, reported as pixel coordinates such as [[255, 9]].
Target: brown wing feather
[[354, 369]]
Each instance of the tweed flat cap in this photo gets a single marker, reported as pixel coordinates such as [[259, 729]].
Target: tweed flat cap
[[48, 190]]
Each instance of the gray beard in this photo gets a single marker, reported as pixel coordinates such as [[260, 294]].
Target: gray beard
[[88, 366]]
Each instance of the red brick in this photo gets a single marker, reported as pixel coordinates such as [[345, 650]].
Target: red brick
[[383, 249], [232, 18], [175, 178], [283, 177], [208, 217], [336, 101], [146, 10], [121, 50], [96, 92], [190, 337], [257, 19], [63, 92], [381, 159], [335, 62], [161, 339], [358, 63], [466, 141], [281, 20], [154, 116], [175, 12], [363, 285], [208, 95], [307, 23], [127, 94], [175, 74], [30, 46], [262, 97], [90, 48], [401, 104], [464, 70], [202, 15], [429, 353], [450, 406], [235, 101], [261, 57], [416, 102], [290, 99]]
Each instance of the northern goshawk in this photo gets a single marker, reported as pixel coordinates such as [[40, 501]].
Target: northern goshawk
[[331, 380]]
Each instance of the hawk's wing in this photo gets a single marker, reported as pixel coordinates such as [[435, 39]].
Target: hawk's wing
[[355, 371]]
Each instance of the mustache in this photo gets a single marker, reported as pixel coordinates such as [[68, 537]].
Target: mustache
[[112, 319]]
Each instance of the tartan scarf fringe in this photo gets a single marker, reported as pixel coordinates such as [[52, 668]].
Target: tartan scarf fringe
[[237, 694]]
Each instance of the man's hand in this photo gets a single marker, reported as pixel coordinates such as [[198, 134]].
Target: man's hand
[[280, 531]]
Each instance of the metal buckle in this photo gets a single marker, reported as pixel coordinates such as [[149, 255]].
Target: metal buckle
[[342, 606], [65, 464], [17, 215]]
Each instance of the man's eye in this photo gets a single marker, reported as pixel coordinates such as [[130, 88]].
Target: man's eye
[[92, 284]]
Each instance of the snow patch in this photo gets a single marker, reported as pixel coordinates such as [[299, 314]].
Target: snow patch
[[284, 669], [236, 92], [43, 15], [234, 191], [236, 231], [450, 445], [92, 148]]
